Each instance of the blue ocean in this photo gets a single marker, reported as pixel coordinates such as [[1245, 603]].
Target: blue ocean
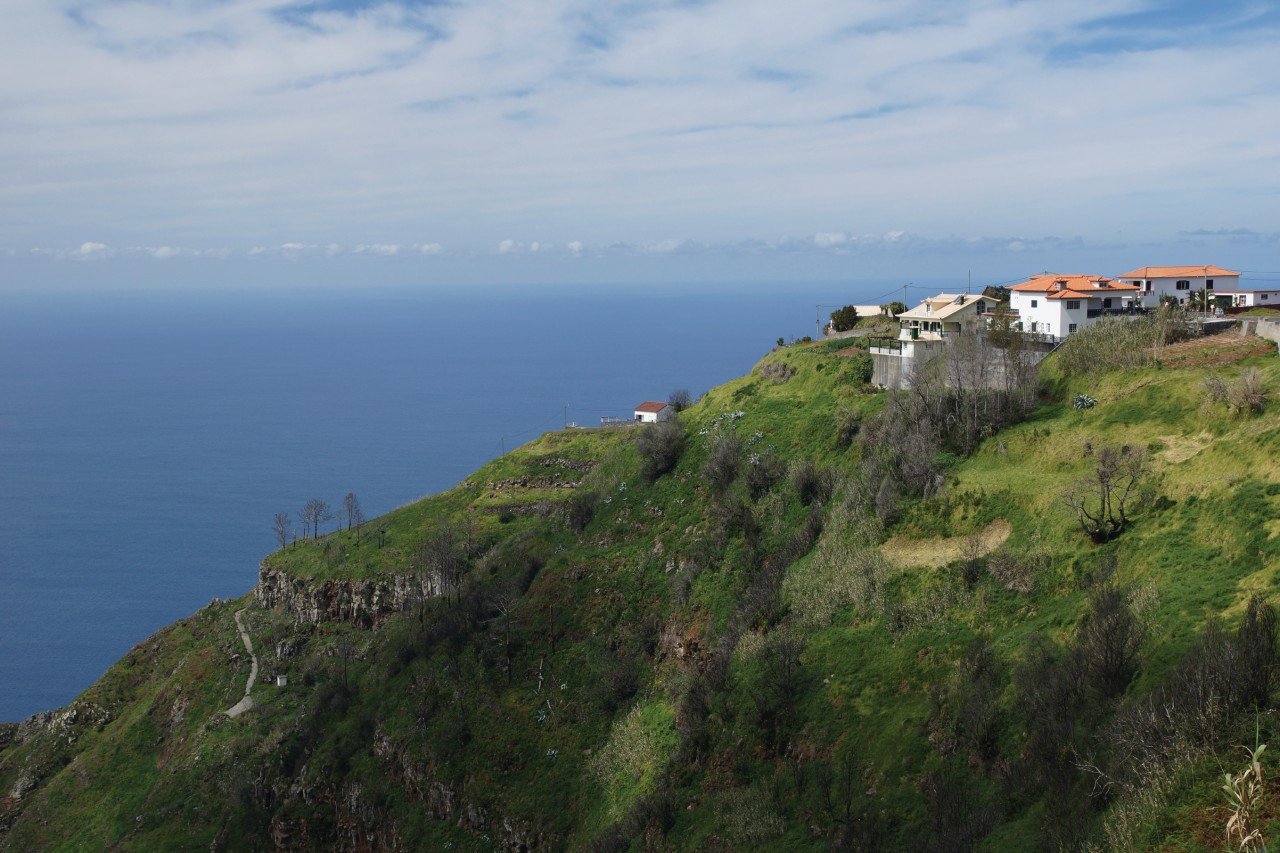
[[147, 437]]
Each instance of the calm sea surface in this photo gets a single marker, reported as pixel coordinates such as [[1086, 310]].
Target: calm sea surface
[[147, 438]]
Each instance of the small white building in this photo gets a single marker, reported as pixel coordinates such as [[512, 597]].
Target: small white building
[[651, 412], [1238, 297], [1057, 305], [1179, 282]]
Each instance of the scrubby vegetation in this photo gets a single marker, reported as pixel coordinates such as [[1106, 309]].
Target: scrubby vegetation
[[808, 615]]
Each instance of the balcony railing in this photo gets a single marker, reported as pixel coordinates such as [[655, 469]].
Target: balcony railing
[[1130, 311]]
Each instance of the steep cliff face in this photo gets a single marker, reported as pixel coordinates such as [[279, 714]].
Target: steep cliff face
[[365, 602]]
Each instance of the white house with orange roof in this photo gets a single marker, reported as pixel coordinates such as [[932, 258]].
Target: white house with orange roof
[[1180, 282], [1056, 305]]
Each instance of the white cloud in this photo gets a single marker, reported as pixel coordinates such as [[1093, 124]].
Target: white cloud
[[714, 120], [91, 250], [378, 249], [508, 246], [429, 248]]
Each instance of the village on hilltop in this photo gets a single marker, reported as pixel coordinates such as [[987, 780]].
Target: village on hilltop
[[1047, 308]]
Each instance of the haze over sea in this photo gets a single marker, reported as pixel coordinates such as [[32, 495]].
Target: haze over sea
[[147, 437]]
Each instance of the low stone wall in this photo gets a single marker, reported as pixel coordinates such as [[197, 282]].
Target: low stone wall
[[364, 602], [1263, 327]]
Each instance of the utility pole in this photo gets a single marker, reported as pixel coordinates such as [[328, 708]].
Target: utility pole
[[566, 415], [817, 322]]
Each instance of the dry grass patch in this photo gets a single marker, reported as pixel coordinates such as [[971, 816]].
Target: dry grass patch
[[1180, 448], [906, 553]]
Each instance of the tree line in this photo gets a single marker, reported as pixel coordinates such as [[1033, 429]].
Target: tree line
[[316, 512]]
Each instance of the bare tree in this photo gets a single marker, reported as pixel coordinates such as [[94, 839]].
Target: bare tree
[[1099, 500], [680, 399], [502, 600], [443, 557], [351, 509], [280, 524], [312, 514]]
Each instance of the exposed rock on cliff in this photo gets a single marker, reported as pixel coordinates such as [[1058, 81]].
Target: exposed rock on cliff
[[365, 602]]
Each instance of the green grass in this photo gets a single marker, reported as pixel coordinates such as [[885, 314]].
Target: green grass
[[422, 730]]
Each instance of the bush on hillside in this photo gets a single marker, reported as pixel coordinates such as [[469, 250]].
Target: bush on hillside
[[1120, 344], [811, 483], [844, 319], [1247, 393], [659, 446], [848, 422], [581, 509], [723, 460], [680, 399]]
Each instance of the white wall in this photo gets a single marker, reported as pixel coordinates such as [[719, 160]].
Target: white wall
[[654, 417], [1255, 298], [1046, 317], [1169, 287]]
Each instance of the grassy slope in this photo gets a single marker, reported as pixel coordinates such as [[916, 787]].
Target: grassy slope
[[379, 728]]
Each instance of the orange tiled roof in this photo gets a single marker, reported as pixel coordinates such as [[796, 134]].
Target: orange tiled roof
[[1083, 286], [1178, 272], [651, 407]]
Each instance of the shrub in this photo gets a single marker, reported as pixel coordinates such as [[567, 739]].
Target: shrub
[[762, 470], [1215, 388], [581, 509], [862, 367], [1108, 643], [844, 319], [848, 422], [723, 461], [659, 446], [1247, 394], [811, 484], [680, 399]]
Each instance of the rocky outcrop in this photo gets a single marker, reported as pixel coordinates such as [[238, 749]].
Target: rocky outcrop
[[366, 602]]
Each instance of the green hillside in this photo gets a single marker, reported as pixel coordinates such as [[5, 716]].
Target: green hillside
[[813, 615]]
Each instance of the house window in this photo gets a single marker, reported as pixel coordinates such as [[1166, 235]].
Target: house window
[[1182, 284], [1034, 303], [1264, 297], [1208, 284], [1072, 305], [1071, 329]]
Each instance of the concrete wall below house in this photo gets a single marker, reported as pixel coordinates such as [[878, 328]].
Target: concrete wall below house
[[895, 371], [1263, 327]]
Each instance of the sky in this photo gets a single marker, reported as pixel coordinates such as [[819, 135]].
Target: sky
[[179, 141]]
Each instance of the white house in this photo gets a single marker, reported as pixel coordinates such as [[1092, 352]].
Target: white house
[[1236, 297], [1179, 282], [943, 316], [650, 412], [923, 334], [1057, 305]]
